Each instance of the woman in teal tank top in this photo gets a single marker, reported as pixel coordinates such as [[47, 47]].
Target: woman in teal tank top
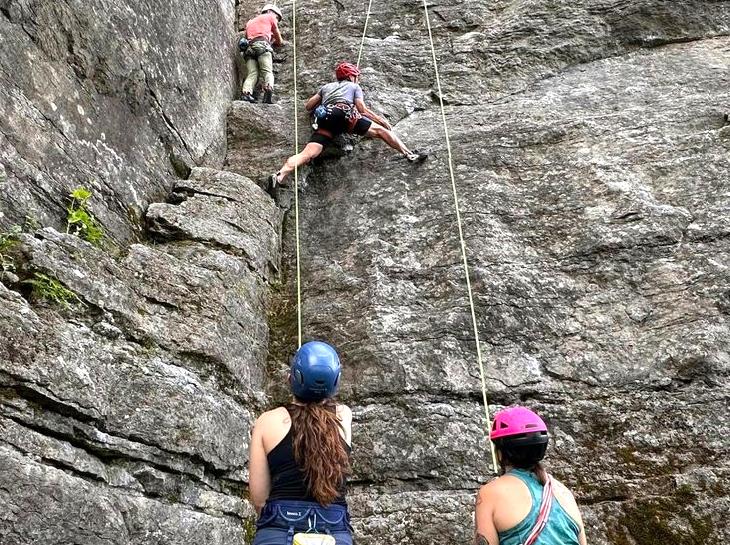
[[508, 509]]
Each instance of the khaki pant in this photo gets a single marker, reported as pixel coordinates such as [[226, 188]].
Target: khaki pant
[[259, 67]]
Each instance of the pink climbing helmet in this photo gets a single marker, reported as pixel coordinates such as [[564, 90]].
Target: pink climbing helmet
[[518, 422]]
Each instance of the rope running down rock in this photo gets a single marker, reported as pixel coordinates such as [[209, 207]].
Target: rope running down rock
[[364, 31], [296, 150], [453, 186], [296, 177], [461, 236]]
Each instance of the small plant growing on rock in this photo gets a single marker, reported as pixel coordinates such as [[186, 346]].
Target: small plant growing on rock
[[8, 240], [31, 224], [249, 530], [80, 221], [50, 289]]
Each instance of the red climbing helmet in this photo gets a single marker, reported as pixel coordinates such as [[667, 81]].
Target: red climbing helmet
[[519, 424], [346, 70]]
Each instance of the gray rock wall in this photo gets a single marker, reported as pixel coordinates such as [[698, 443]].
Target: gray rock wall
[[591, 159], [101, 93], [125, 411], [125, 414]]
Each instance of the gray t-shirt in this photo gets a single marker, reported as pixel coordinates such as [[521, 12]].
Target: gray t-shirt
[[340, 91]]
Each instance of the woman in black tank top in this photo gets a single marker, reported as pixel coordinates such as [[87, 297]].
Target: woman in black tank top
[[299, 456]]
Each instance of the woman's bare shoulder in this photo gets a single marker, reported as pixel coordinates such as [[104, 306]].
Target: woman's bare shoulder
[[567, 500], [344, 412], [280, 414], [561, 490]]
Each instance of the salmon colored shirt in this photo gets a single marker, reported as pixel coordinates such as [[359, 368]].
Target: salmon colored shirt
[[262, 26]]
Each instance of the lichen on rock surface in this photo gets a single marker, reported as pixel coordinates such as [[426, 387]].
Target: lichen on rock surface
[[591, 160]]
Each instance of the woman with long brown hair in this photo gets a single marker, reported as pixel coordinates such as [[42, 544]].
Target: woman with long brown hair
[[299, 457]]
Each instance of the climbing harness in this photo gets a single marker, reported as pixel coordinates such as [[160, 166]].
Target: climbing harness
[[257, 47], [324, 115], [325, 111], [305, 523], [461, 234]]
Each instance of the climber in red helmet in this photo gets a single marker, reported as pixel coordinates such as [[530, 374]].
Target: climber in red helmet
[[339, 108]]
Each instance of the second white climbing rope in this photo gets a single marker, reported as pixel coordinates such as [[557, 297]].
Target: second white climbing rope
[[461, 234], [296, 178], [364, 32]]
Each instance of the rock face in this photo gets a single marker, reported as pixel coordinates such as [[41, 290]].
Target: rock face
[[101, 94], [591, 166], [590, 157], [132, 406]]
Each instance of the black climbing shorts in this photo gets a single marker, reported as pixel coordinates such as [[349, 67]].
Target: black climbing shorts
[[362, 126], [319, 138]]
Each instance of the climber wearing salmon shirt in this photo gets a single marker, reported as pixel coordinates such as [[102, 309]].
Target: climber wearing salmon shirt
[[338, 108], [525, 505], [262, 33], [299, 458]]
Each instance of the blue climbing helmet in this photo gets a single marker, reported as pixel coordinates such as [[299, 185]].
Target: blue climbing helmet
[[315, 372]]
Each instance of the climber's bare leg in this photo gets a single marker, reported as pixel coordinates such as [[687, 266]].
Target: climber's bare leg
[[389, 137], [311, 151]]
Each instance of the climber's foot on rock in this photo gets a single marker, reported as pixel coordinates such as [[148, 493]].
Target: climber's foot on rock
[[416, 156], [268, 97], [247, 97], [275, 181], [272, 183]]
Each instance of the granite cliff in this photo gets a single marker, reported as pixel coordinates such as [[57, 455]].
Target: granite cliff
[[591, 157]]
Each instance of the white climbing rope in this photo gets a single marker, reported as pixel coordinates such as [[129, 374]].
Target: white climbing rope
[[296, 151], [461, 235], [364, 31], [296, 177]]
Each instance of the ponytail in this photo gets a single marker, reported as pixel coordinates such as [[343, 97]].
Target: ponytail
[[540, 473], [319, 449]]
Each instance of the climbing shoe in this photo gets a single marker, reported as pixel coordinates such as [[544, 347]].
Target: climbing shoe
[[272, 183], [246, 97], [417, 156], [268, 95]]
